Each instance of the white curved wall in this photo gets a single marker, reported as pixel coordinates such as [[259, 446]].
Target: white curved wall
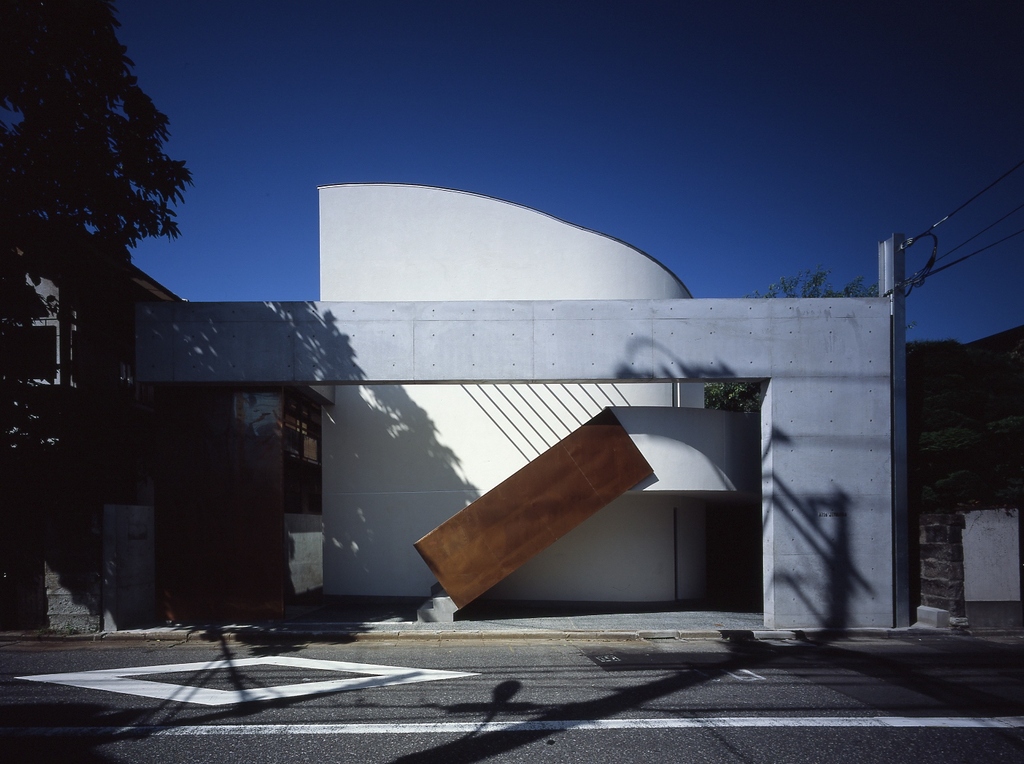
[[696, 450], [395, 242], [399, 460]]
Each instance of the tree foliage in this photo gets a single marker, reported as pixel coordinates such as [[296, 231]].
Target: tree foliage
[[733, 396], [83, 174], [83, 177], [746, 396], [81, 145], [815, 283], [966, 426]]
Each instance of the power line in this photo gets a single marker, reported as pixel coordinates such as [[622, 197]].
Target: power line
[[983, 230], [975, 252], [1013, 169], [919, 277]]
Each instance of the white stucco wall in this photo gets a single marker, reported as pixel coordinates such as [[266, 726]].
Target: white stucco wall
[[398, 242], [399, 460], [991, 556], [696, 450]]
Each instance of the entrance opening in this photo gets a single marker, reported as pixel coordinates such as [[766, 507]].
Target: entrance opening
[[734, 556]]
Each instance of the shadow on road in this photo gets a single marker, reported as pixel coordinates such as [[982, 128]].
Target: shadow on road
[[841, 667]]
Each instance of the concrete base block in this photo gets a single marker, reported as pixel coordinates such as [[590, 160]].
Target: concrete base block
[[440, 608], [994, 615], [932, 617]]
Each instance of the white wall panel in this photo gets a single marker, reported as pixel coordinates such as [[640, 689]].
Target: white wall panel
[[368, 541], [624, 553]]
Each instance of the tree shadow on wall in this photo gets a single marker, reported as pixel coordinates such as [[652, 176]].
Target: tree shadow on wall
[[817, 526], [388, 479], [372, 437]]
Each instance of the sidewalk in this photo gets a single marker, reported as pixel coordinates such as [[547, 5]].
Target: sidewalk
[[350, 622], [507, 620]]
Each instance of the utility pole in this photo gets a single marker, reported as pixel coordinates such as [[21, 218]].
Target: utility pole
[[891, 273]]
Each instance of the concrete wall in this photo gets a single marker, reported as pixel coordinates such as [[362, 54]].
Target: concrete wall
[[303, 536], [992, 568], [825, 422], [342, 343], [129, 570], [399, 460], [624, 553]]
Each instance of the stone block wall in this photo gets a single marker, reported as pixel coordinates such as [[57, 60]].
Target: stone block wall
[[71, 571], [942, 562], [73, 601]]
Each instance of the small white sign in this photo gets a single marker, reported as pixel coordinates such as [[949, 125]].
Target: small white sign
[[122, 680]]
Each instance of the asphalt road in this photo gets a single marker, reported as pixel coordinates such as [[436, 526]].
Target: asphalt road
[[913, 699]]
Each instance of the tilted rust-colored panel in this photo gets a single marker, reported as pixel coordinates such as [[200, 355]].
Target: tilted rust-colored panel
[[476, 548]]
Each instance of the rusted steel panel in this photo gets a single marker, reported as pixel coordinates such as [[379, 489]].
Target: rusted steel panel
[[476, 548]]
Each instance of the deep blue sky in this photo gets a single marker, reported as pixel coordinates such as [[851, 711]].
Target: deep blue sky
[[734, 141]]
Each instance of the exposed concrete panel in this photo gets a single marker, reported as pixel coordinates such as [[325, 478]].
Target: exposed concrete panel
[[815, 589], [503, 341], [129, 572], [827, 511]]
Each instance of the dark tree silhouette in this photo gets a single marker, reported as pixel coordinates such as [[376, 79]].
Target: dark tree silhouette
[[83, 177], [966, 426], [81, 144]]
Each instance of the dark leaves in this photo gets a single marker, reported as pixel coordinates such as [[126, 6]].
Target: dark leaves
[[966, 409], [83, 177], [88, 149]]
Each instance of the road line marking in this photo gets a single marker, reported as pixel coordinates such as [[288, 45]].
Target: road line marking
[[120, 681], [462, 728], [746, 675]]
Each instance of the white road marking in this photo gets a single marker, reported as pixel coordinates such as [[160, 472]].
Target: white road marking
[[119, 680], [462, 728], [746, 675]]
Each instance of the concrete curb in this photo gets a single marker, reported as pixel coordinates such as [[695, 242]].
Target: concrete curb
[[366, 633]]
